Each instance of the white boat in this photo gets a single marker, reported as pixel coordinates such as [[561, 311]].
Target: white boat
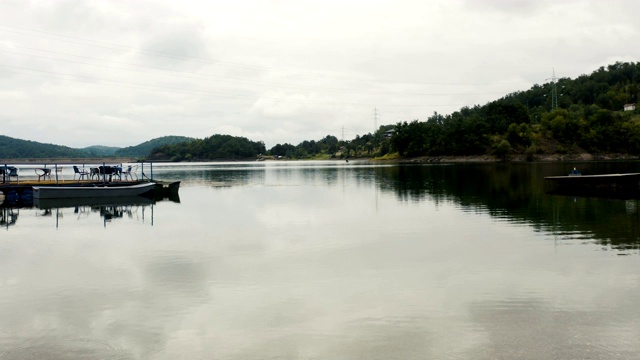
[[91, 191]]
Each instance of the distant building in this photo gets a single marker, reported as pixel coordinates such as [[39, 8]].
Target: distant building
[[629, 107], [389, 133]]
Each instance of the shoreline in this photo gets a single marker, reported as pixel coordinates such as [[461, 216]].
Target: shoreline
[[583, 157]]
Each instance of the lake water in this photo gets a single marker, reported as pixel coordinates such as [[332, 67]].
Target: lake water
[[328, 260]]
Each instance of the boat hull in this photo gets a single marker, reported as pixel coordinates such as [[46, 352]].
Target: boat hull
[[95, 191]]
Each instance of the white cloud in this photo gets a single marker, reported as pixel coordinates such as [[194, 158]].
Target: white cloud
[[119, 73]]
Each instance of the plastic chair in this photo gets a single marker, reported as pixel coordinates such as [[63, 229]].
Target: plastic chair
[[81, 173], [58, 171], [130, 172]]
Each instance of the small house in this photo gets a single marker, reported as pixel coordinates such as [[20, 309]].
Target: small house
[[629, 107]]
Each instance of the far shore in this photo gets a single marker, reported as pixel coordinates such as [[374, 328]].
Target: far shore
[[403, 160], [519, 158]]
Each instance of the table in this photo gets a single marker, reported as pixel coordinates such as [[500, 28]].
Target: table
[[110, 171]]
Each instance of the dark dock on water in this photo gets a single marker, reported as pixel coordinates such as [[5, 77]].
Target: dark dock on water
[[616, 185]]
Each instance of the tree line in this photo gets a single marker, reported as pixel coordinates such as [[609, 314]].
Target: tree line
[[589, 116]]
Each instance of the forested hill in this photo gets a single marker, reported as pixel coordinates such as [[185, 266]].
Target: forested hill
[[11, 148], [585, 114], [214, 147], [144, 149]]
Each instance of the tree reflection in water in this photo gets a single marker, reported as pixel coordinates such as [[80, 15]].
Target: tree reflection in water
[[516, 193]]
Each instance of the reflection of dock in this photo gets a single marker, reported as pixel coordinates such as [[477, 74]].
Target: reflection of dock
[[8, 216], [102, 201], [109, 208]]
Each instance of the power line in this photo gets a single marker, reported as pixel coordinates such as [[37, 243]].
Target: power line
[[149, 87], [185, 75], [110, 45]]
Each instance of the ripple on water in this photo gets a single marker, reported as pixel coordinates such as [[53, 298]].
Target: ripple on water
[[53, 348]]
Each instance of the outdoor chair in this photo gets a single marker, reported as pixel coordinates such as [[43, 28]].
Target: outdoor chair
[[116, 172], [130, 172], [94, 172], [13, 172], [81, 173], [43, 173], [58, 171]]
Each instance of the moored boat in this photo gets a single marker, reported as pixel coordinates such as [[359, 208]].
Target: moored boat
[[92, 191]]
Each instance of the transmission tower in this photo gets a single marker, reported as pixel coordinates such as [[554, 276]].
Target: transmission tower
[[554, 90], [375, 120]]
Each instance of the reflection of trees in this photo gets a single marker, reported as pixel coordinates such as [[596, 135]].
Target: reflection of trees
[[516, 192]]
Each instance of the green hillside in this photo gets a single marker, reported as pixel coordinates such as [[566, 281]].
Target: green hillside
[[144, 149], [215, 147], [11, 148], [100, 150]]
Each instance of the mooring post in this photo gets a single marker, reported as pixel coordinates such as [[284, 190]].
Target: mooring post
[[151, 164], [55, 167], [104, 173]]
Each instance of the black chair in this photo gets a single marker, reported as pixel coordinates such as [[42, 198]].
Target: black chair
[[94, 172], [13, 172], [43, 173], [81, 173]]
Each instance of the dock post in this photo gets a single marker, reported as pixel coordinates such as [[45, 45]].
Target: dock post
[[151, 164], [104, 175], [56, 170]]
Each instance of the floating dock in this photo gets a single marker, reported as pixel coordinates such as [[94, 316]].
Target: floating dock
[[22, 191]]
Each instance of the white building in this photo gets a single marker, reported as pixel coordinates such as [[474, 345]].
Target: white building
[[629, 107]]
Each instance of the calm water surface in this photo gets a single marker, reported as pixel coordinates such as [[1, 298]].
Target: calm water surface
[[328, 260]]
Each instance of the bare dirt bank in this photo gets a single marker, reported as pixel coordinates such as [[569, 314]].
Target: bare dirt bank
[[517, 158]]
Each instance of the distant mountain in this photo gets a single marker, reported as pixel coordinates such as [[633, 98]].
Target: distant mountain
[[11, 148], [100, 150], [144, 149]]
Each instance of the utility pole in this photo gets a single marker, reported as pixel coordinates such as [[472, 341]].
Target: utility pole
[[342, 132], [554, 90]]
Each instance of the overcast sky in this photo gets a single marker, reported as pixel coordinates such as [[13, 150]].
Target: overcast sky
[[118, 73]]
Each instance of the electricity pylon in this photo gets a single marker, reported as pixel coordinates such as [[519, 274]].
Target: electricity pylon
[[554, 90]]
